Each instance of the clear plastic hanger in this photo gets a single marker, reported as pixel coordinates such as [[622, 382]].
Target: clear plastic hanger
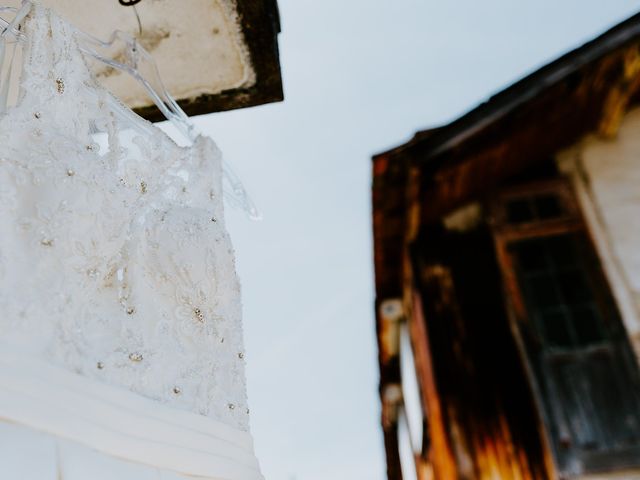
[[136, 60], [10, 29]]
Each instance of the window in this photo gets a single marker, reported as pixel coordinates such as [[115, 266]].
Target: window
[[537, 207], [583, 370], [554, 282]]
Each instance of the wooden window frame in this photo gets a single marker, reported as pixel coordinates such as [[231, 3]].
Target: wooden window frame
[[506, 234]]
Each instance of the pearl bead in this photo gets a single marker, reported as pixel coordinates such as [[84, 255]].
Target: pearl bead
[[131, 310], [100, 365], [231, 406], [177, 390], [71, 173], [135, 357], [241, 355], [37, 115]]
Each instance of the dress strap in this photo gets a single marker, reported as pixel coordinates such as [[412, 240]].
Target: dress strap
[[53, 63], [54, 80]]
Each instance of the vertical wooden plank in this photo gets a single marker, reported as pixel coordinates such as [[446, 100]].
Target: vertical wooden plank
[[441, 457]]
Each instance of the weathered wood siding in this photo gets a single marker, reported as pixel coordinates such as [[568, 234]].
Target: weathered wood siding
[[486, 406]]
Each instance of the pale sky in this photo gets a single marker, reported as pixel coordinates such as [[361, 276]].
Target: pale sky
[[360, 76]]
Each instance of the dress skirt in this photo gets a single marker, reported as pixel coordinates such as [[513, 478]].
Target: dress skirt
[[58, 425]]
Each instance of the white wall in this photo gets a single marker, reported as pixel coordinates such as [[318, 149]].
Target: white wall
[[606, 175]]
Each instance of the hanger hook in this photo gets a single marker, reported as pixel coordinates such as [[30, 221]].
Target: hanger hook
[[133, 3], [135, 10]]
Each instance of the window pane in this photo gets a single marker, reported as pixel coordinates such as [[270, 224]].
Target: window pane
[[555, 328], [531, 258], [543, 291], [587, 324], [574, 287], [558, 292], [519, 211], [562, 251], [547, 207]]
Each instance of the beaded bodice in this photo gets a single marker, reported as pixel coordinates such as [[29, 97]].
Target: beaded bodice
[[114, 259]]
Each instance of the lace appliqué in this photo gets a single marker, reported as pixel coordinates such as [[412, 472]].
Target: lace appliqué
[[114, 259]]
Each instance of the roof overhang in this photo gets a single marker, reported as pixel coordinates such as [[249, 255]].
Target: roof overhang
[[213, 55], [587, 91]]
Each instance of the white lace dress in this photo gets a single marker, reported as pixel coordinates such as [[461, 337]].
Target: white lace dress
[[121, 350]]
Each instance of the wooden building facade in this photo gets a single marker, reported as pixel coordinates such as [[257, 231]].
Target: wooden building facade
[[507, 263]]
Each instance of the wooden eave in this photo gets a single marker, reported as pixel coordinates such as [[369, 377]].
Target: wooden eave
[[583, 92]]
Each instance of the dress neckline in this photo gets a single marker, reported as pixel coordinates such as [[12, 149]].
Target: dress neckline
[[42, 25]]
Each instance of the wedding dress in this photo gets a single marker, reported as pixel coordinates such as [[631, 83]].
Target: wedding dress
[[121, 350]]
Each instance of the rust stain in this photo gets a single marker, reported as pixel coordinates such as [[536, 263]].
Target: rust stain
[[380, 165], [617, 101]]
